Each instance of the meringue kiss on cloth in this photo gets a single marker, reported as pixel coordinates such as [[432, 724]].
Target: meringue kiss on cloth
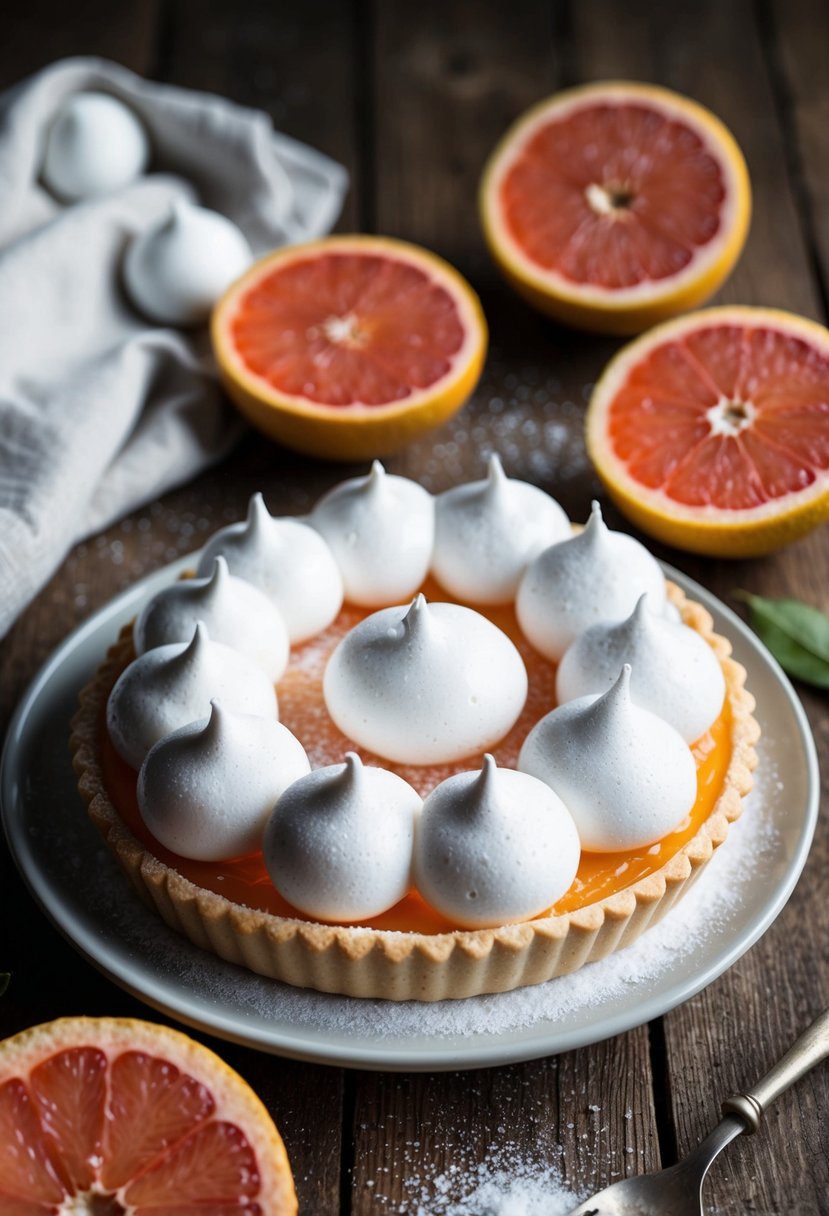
[[102, 410]]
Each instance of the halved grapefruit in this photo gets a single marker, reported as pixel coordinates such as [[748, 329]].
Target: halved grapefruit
[[109, 1116], [711, 432], [616, 205], [351, 346]]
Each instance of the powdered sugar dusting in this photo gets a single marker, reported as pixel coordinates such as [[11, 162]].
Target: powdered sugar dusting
[[511, 1182]]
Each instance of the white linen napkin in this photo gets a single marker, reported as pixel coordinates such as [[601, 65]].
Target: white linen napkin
[[101, 411]]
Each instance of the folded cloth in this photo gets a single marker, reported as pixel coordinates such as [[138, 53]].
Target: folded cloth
[[100, 411]]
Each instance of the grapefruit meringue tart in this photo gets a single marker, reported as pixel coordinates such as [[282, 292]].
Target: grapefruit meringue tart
[[413, 747]]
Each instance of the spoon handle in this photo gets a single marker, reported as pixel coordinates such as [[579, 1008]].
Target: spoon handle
[[807, 1051]]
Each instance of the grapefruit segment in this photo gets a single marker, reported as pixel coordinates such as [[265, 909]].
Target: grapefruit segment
[[712, 432], [153, 1106], [616, 205], [350, 346], [29, 1168], [109, 1115]]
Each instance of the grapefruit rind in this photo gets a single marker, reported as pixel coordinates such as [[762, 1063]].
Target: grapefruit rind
[[357, 431], [235, 1101], [619, 310], [714, 532]]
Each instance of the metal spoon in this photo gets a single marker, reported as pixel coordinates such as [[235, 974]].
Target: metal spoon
[[677, 1191]]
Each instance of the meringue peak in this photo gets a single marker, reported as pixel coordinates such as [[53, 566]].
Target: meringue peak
[[676, 674], [494, 847], [352, 774], [426, 683], [486, 532], [194, 650], [418, 619], [381, 529], [258, 517], [376, 479], [496, 479]]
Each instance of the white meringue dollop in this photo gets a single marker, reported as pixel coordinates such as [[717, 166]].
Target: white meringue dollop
[[381, 531], [486, 532], [287, 560], [338, 845], [494, 847], [674, 672], [175, 270], [625, 775], [206, 791], [173, 685], [596, 575], [426, 683], [94, 145], [234, 611]]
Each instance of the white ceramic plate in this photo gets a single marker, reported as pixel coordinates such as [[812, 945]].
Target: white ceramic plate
[[78, 884]]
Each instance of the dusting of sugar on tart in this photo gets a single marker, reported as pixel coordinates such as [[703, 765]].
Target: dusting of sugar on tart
[[425, 683]]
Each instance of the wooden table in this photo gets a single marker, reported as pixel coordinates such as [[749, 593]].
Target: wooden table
[[411, 98]]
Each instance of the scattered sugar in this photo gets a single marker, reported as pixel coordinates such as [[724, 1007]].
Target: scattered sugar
[[511, 1182]]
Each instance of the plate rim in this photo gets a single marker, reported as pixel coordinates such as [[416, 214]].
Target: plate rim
[[445, 1052]]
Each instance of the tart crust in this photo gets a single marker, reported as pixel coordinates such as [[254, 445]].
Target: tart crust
[[368, 962]]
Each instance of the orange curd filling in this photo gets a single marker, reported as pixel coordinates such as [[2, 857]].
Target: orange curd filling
[[302, 709]]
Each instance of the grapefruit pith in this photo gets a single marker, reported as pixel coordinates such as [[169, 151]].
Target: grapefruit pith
[[114, 1116], [351, 346], [711, 432], [616, 205]]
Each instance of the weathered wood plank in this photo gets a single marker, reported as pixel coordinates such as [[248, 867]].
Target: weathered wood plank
[[425, 1142], [301, 70], [797, 50], [727, 1036], [35, 35]]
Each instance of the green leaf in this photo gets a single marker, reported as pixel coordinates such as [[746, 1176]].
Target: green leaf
[[797, 634], [5, 976]]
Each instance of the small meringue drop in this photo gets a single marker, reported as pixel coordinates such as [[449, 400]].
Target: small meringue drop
[[625, 775], [494, 847], [381, 530], [596, 575], [175, 270], [94, 145], [234, 611], [173, 685], [486, 532], [206, 791], [425, 683], [675, 673], [338, 845], [287, 560]]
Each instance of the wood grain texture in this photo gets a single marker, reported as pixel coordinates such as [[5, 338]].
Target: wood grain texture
[[797, 46], [301, 71], [421, 1139], [37, 33], [411, 100]]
